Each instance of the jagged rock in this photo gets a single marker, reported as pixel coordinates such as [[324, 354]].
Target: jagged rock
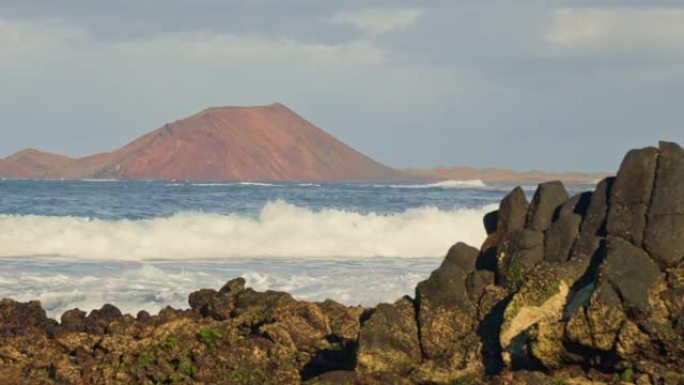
[[388, 340], [577, 204], [445, 312], [98, 319], [531, 319], [252, 307], [17, 318], [345, 321], [631, 272], [302, 324], [547, 199], [631, 194], [593, 227], [73, 320], [560, 237], [511, 216], [519, 252], [664, 234], [218, 305], [232, 287]]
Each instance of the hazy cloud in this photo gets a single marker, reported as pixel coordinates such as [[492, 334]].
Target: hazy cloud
[[636, 30], [497, 83], [378, 21]]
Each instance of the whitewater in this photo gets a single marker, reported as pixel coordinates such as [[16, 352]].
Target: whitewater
[[145, 245]]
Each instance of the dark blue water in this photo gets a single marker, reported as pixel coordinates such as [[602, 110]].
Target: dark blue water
[[150, 199]]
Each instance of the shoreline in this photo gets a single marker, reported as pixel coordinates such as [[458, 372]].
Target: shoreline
[[577, 290]]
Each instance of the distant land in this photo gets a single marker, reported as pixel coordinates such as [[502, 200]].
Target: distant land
[[500, 175], [264, 143]]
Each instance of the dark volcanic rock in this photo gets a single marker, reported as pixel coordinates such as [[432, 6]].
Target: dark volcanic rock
[[445, 313], [73, 320], [560, 238], [631, 272], [388, 341], [664, 236], [511, 216], [548, 197], [593, 226], [98, 319], [17, 318], [631, 194], [518, 253]]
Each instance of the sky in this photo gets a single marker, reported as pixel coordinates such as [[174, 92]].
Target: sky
[[551, 85]]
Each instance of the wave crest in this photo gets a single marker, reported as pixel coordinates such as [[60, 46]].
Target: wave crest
[[473, 183], [280, 230]]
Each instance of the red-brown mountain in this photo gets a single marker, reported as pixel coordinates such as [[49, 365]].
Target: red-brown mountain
[[223, 143]]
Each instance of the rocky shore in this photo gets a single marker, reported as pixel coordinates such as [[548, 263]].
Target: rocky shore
[[586, 289]]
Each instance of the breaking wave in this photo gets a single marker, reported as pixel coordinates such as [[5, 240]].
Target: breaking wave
[[474, 183], [279, 230]]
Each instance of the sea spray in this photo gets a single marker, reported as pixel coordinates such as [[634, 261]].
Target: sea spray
[[279, 230]]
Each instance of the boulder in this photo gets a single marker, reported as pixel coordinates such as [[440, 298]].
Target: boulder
[[97, 321], [593, 227], [560, 238], [511, 216], [445, 312], [253, 308], [218, 305], [19, 318], [631, 194], [631, 272], [547, 199], [520, 251], [73, 320], [388, 340], [664, 235]]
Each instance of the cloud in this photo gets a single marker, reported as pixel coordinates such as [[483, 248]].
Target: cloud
[[26, 40], [229, 49], [379, 21], [617, 30]]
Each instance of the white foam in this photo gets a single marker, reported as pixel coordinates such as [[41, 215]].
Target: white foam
[[474, 183], [280, 230], [134, 286]]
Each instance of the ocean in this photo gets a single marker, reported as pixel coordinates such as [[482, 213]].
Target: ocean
[[143, 245]]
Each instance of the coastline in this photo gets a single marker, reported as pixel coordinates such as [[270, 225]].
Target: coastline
[[582, 289]]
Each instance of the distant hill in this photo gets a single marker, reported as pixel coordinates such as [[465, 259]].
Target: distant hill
[[267, 143], [224, 143]]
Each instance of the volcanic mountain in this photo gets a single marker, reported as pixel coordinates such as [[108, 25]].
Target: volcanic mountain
[[270, 143]]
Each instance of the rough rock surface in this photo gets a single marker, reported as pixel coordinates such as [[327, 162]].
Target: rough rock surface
[[580, 290]]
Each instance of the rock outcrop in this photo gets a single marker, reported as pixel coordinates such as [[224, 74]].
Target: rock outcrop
[[586, 289]]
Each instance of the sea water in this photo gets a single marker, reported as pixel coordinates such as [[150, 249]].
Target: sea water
[[142, 245]]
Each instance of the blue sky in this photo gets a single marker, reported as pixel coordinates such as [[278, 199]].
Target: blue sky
[[549, 85]]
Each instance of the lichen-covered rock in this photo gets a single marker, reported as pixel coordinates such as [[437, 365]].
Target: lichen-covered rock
[[388, 340], [531, 318], [446, 314], [17, 318], [519, 252]]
